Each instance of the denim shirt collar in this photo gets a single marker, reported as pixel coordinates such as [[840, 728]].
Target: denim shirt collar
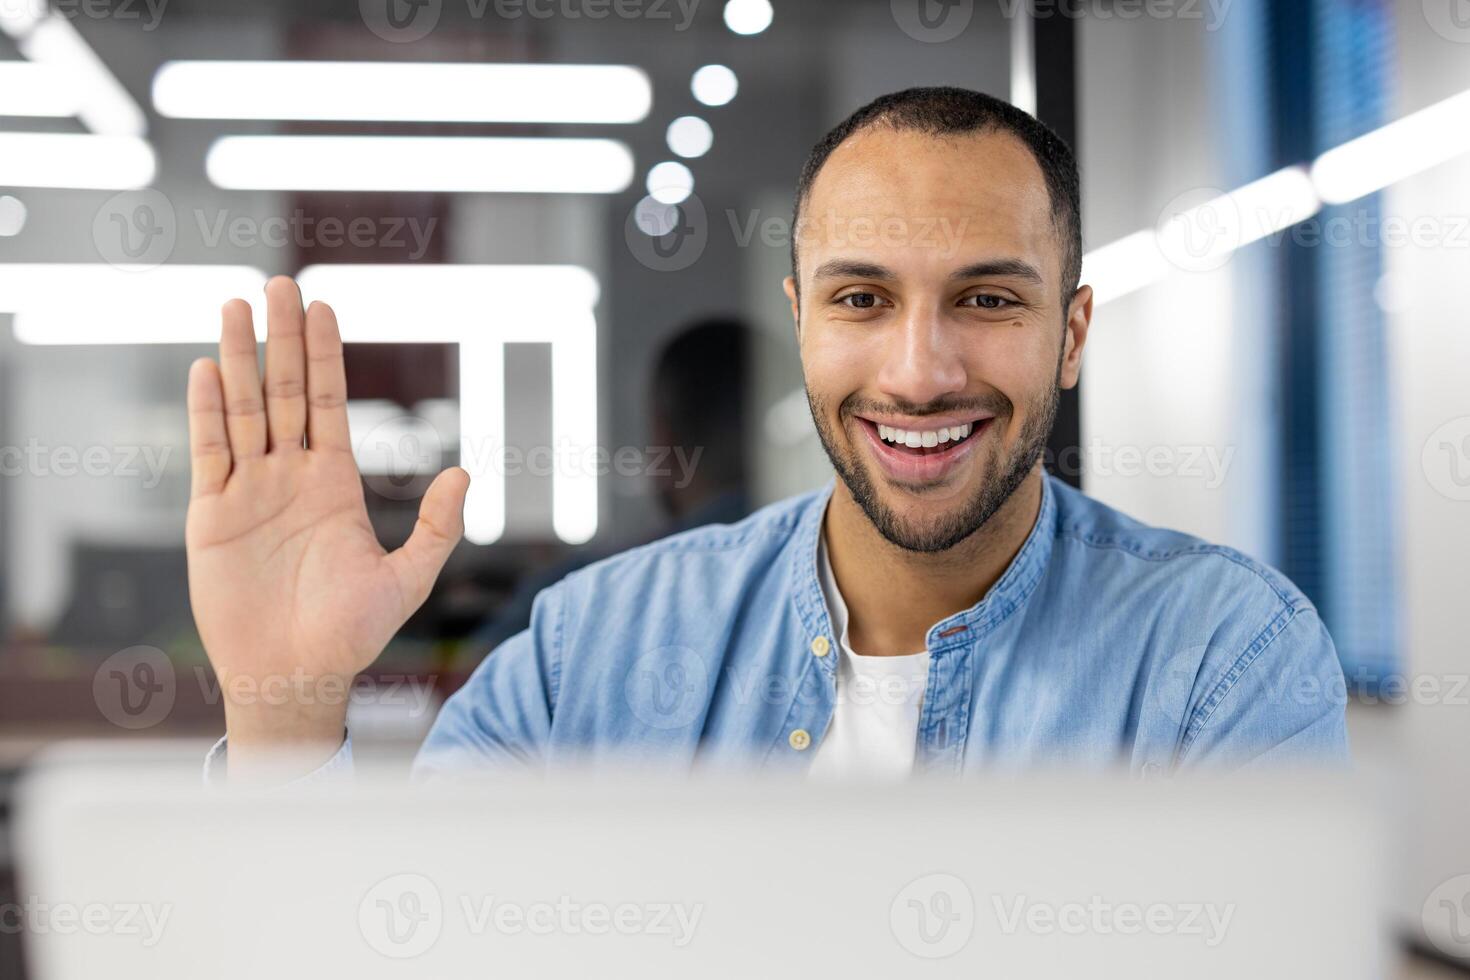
[[1007, 595]]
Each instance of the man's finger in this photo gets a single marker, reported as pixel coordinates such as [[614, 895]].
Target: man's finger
[[285, 365], [209, 443], [439, 528], [326, 382], [244, 407]]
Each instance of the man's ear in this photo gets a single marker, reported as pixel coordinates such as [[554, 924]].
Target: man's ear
[[1079, 318], [789, 284]]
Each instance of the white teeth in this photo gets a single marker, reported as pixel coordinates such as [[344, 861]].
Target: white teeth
[[915, 439]]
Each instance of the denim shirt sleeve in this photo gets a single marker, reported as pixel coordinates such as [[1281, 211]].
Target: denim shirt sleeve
[[501, 718], [1283, 702]]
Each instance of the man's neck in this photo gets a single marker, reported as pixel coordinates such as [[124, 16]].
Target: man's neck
[[894, 596]]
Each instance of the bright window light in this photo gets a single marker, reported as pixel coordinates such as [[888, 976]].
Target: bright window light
[[29, 89], [75, 160], [1405, 147], [748, 16], [670, 182], [690, 136], [448, 304], [714, 85], [402, 91], [12, 216], [471, 164]]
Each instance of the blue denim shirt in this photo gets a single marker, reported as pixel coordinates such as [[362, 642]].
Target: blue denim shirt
[[1105, 643]]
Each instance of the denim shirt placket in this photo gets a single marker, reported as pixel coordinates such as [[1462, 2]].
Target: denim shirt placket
[[953, 645]]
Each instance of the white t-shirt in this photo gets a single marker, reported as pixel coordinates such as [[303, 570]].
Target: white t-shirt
[[875, 725]]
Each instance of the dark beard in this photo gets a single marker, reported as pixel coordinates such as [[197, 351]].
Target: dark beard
[[991, 496]]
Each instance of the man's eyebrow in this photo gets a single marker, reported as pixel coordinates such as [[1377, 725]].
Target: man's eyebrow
[[1013, 268], [849, 269]]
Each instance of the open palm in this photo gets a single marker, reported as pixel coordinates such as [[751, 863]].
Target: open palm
[[292, 593]]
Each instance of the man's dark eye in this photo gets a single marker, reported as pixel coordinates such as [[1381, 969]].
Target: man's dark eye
[[861, 301], [987, 302]]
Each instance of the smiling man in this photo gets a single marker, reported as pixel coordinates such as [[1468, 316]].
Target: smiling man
[[942, 606]]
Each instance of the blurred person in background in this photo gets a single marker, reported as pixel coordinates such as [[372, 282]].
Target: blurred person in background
[[942, 606], [699, 396]]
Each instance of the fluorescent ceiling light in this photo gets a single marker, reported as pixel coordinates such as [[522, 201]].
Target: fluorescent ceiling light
[[690, 136], [1124, 266], [1274, 203], [1202, 237], [748, 16], [29, 89], [95, 303], [12, 216], [482, 308], [19, 17], [105, 106], [1402, 148], [670, 182], [714, 85], [486, 164], [402, 91], [75, 160]]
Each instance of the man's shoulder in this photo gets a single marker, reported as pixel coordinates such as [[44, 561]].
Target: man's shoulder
[[1128, 551]]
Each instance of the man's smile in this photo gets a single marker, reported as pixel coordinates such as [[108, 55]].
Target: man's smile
[[924, 449]]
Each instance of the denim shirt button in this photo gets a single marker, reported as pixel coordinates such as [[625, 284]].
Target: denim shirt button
[[821, 646], [800, 739]]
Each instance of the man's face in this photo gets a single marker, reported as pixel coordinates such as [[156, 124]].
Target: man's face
[[931, 325]]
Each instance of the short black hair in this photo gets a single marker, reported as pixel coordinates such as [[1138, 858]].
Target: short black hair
[[948, 111]]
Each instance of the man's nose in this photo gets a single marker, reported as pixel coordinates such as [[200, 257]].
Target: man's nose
[[922, 361]]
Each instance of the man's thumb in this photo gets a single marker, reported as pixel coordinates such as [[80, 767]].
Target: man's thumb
[[438, 530]]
